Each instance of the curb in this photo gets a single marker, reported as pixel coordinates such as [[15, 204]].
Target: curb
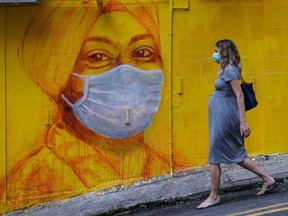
[[161, 191], [246, 185]]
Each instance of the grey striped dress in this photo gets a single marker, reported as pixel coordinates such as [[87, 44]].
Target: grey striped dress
[[226, 142]]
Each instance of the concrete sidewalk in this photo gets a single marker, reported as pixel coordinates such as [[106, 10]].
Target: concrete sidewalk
[[193, 184]]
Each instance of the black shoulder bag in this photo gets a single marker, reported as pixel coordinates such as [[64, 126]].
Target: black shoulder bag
[[249, 95]]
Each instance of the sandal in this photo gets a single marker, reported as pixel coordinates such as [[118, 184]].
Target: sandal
[[266, 189]]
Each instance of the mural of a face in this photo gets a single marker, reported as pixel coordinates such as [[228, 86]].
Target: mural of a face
[[110, 43], [101, 68], [115, 87]]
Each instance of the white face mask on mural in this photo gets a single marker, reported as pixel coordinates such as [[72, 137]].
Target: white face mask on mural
[[120, 102]]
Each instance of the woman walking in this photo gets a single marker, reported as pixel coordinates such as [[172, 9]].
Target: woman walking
[[227, 123]]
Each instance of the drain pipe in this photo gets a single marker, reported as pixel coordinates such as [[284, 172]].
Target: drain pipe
[[170, 35]]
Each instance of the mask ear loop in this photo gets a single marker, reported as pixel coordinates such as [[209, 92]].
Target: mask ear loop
[[66, 100], [85, 86], [78, 75]]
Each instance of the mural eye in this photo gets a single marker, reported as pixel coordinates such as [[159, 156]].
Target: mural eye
[[98, 59], [146, 54]]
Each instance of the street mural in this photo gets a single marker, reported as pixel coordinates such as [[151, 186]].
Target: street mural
[[100, 64], [99, 94]]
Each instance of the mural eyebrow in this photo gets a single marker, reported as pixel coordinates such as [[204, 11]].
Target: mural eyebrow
[[140, 37], [99, 39]]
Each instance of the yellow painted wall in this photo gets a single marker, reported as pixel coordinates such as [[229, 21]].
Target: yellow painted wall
[[2, 106], [205, 23], [48, 157], [260, 36]]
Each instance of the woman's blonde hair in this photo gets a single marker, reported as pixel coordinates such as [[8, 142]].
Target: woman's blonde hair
[[228, 54]]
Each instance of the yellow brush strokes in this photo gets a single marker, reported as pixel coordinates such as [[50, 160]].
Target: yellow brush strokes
[[40, 161]]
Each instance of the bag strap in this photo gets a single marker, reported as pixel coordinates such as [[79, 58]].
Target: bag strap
[[242, 80]]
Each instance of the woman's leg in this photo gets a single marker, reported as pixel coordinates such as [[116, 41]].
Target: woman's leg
[[214, 197], [268, 181]]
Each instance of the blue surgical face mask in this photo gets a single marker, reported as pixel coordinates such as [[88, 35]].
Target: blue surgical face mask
[[216, 57], [120, 102]]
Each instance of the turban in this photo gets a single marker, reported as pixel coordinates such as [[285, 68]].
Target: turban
[[53, 38]]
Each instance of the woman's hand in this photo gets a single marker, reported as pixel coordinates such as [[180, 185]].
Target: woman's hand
[[244, 129]]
